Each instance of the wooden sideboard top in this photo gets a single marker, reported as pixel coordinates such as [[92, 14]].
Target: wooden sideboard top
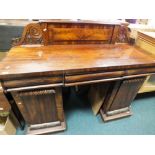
[[60, 59]]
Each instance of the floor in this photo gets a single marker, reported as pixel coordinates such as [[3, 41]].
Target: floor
[[81, 121]]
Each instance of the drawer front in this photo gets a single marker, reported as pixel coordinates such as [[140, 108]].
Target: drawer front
[[15, 83], [89, 78], [140, 71], [40, 106]]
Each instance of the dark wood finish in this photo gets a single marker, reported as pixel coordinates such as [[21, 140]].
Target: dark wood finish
[[44, 102], [69, 32], [60, 53], [126, 112], [33, 81], [94, 76], [32, 34], [39, 100], [126, 93], [55, 60], [123, 33], [120, 97]]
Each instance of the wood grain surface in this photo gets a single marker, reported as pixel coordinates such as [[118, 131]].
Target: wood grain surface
[[59, 59]]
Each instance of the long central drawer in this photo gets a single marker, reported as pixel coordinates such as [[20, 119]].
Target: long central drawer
[[90, 78]]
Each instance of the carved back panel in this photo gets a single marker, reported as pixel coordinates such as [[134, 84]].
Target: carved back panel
[[63, 32], [78, 34]]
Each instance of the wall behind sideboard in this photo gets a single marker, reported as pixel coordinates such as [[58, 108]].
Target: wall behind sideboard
[[7, 32]]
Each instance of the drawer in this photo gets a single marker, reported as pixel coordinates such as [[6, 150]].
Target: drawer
[[90, 78], [33, 81], [140, 71]]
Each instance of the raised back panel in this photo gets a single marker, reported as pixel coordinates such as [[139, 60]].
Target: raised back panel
[[77, 33], [63, 32]]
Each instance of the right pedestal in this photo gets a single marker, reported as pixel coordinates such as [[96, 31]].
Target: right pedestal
[[116, 97]]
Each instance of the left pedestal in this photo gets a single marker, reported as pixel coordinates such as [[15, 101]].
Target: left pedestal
[[42, 109]]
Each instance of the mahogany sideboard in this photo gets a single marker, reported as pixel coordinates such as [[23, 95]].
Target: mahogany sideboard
[[55, 54]]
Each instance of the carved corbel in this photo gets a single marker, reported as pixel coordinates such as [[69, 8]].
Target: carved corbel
[[123, 34], [33, 34]]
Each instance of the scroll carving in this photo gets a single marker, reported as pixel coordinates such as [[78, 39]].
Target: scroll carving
[[32, 34], [123, 34], [62, 33]]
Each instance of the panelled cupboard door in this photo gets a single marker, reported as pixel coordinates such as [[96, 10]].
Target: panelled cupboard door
[[40, 106], [126, 93], [119, 98]]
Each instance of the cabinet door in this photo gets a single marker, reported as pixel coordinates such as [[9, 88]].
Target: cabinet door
[[126, 93], [41, 108], [119, 98]]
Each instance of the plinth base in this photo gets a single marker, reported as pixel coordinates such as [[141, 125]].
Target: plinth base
[[114, 116], [46, 130]]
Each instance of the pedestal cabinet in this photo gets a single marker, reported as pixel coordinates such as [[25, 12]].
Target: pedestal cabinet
[[113, 99], [42, 109]]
